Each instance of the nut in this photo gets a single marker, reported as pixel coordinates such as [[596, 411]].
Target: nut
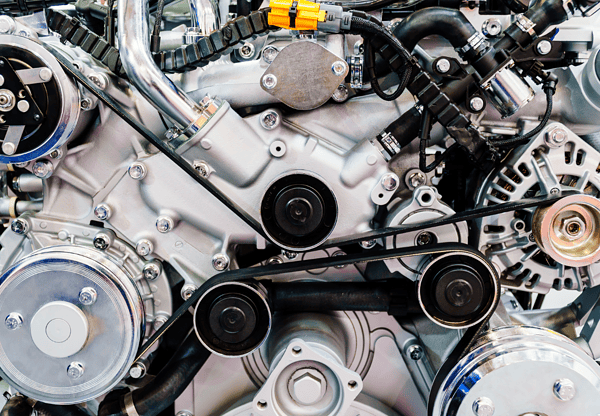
[[572, 227], [307, 386]]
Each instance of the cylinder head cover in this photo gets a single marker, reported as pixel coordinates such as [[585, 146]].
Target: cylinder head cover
[[79, 324]]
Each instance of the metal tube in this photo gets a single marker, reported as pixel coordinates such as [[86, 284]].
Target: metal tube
[[134, 46]]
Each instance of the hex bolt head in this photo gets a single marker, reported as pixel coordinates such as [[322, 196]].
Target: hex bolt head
[[137, 171], [75, 370], [137, 371], [187, 291], [368, 244], [269, 119], [572, 227], [247, 51], [290, 255], [13, 321], [443, 66], [491, 27], [564, 389], [202, 168], [417, 179], [19, 226], [340, 94], [102, 241], [43, 169], [102, 211], [390, 181], [544, 47], [164, 224], [56, 154], [339, 68], [88, 296], [476, 104], [556, 137], [269, 54], [307, 386], [269, 81], [144, 247], [415, 352], [85, 104], [220, 262], [159, 321], [483, 406], [152, 270]]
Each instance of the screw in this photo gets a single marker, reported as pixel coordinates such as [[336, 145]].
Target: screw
[[187, 291], [13, 321], [164, 224], [19, 226], [220, 262], [45, 74], [274, 260], [202, 168], [554, 191], [290, 255], [43, 169], [483, 407], [269, 54], [390, 181], [425, 238], [415, 352], [443, 66], [269, 119], [491, 28], [138, 370], [75, 370], [556, 137], [544, 47], [88, 296], [152, 270], [269, 81], [172, 133], [102, 241], [159, 321], [37, 117], [85, 104], [137, 171], [340, 94], [102, 211], [56, 154], [476, 104], [417, 179], [368, 244], [247, 51], [144, 247], [564, 389], [339, 68]]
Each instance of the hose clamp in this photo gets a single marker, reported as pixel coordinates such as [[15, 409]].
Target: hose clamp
[[129, 405], [526, 25], [476, 42]]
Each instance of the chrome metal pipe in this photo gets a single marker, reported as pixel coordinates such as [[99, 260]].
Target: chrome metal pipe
[[134, 46], [204, 15]]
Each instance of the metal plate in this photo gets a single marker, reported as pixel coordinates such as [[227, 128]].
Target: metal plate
[[304, 76]]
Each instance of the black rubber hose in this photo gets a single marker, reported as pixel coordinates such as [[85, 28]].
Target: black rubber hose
[[451, 24], [167, 386], [17, 406]]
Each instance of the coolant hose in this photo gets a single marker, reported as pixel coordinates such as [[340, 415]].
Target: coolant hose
[[17, 406], [22, 406], [162, 391]]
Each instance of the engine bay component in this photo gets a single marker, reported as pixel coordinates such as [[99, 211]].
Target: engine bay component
[[232, 319], [458, 290], [80, 332], [507, 90], [304, 75], [556, 371]]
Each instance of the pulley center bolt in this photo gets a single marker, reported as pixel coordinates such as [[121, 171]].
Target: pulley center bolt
[[75, 370], [459, 292], [269, 81], [7, 100], [572, 227], [443, 65], [564, 389], [339, 68], [13, 321], [483, 407], [308, 386], [88, 296]]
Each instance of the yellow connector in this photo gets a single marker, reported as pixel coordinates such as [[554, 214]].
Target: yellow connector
[[295, 14]]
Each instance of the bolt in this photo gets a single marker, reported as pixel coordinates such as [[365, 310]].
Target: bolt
[[425, 238], [9, 148], [184, 413], [269, 54], [274, 260], [56, 154], [531, 238], [172, 133], [187, 291], [476, 104], [556, 137], [390, 181], [88, 296], [102, 211], [269, 81], [572, 227], [159, 321], [368, 244], [247, 51], [483, 407], [138, 370], [43, 169], [144, 247], [339, 253], [202, 168], [443, 66], [340, 94], [75, 370], [85, 104], [308, 386], [544, 47], [220, 262], [137, 171], [564, 389], [13, 321], [45, 74], [554, 191], [37, 117], [290, 255], [339, 68], [415, 352], [164, 224], [491, 28], [269, 119], [102, 241], [7, 25], [152, 270], [19, 226], [99, 79], [417, 179], [23, 106], [7, 100]]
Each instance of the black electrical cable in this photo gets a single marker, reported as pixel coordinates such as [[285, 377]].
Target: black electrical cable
[[155, 37], [427, 121], [367, 6], [370, 67], [549, 89]]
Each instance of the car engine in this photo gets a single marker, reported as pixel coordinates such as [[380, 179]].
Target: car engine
[[298, 208]]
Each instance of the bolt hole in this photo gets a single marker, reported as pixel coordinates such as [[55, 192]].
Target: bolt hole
[[261, 404], [352, 385], [426, 197], [278, 148], [296, 350], [380, 195]]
